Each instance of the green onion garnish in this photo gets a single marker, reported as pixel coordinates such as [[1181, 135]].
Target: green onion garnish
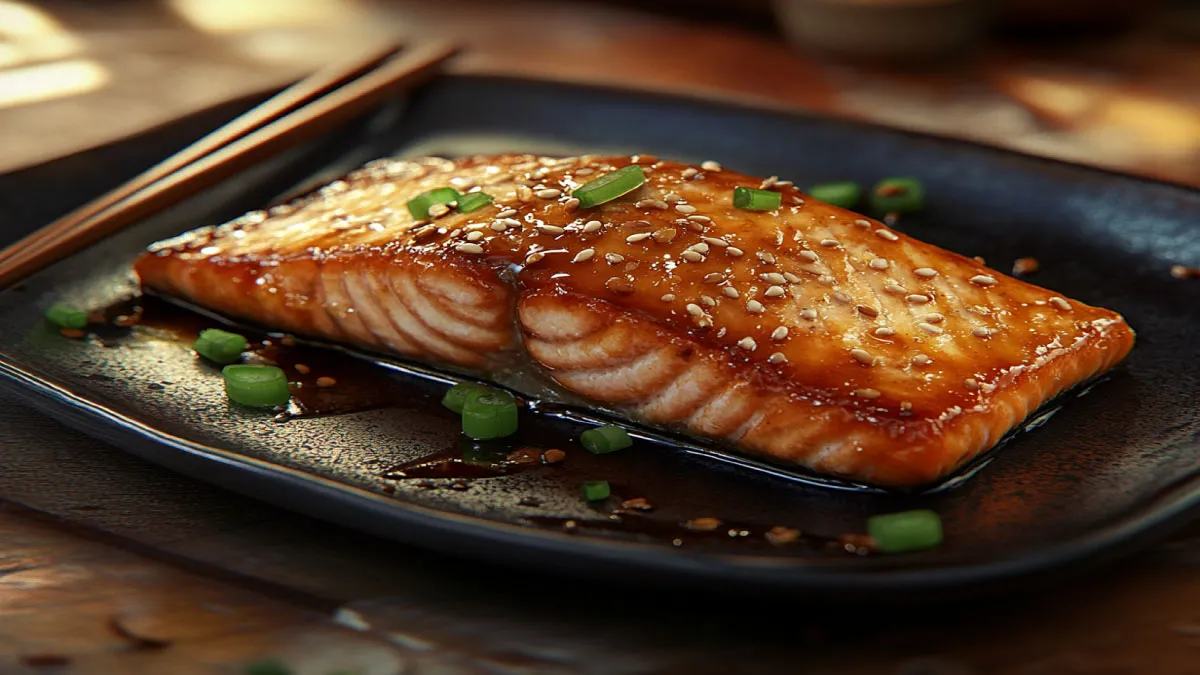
[[610, 186], [67, 317], [257, 386], [756, 200], [419, 206], [844, 194], [898, 195], [473, 201], [456, 396], [220, 346], [595, 490], [489, 413], [906, 531], [268, 667], [603, 440]]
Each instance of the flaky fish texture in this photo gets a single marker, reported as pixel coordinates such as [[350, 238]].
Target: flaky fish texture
[[806, 334]]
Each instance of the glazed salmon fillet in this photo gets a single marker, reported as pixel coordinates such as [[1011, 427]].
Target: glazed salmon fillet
[[806, 335]]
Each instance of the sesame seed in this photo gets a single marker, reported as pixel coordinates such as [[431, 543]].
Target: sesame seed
[[826, 280], [929, 328], [921, 360], [474, 249], [755, 307], [829, 242], [971, 383], [507, 213], [777, 357], [302, 369], [326, 381], [927, 272], [983, 280], [878, 264], [510, 222], [688, 172], [651, 204], [672, 197], [534, 257], [867, 310], [668, 297], [779, 237], [916, 299], [714, 278], [780, 333], [773, 277], [549, 229], [768, 183], [730, 292], [584, 255], [887, 234], [932, 318], [841, 297], [585, 171], [792, 278], [862, 223], [884, 331], [810, 256], [571, 204], [549, 193], [906, 405], [734, 251], [1060, 303], [708, 301], [716, 242], [524, 193], [867, 393], [981, 332], [592, 226], [635, 238], [798, 200], [699, 248], [499, 226], [709, 165], [685, 209], [766, 256], [694, 309], [438, 210], [540, 173], [619, 285], [748, 344], [665, 235], [614, 258], [454, 233], [810, 314], [474, 236], [691, 256], [863, 356], [699, 219], [693, 225], [775, 292], [893, 287]]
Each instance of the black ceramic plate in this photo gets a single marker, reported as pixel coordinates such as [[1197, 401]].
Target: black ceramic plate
[[1109, 472]]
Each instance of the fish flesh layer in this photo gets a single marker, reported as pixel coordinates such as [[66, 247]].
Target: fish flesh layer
[[806, 335]]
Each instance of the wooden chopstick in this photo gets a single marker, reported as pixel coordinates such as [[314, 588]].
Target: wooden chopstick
[[410, 68]]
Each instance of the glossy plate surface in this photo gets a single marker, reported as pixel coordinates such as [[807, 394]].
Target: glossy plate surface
[[1108, 472]]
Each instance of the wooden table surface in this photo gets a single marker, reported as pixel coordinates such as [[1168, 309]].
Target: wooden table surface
[[111, 565]]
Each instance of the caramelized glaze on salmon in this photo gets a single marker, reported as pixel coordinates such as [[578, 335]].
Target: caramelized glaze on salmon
[[808, 334]]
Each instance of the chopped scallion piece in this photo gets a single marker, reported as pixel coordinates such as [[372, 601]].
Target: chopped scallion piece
[[756, 200], [456, 396], [257, 386], [610, 186], [603, 440], [419, 206], [898, 195], [906, 531], [66, 316], [489, 413], [844, 194], [220, 346], [596, 490], [473, 201]]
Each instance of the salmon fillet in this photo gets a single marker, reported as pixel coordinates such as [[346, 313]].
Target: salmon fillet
[[807, 335]]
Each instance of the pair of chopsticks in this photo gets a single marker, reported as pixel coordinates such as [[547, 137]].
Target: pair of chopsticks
[[314, 105]]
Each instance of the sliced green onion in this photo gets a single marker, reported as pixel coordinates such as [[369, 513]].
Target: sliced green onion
[[898, 195], [595, 490], [603, 440], [67, 316], [257, 386], [268, 667], [844, 194], [220, 346], [906, 531], [456, 396], [610, 186], [756, 200], [419, 206], [473, 201], [489, 413]]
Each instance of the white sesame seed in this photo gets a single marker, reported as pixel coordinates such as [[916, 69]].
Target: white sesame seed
[[884, 331], [507, 213], [971, 383], [775, 292], [927, 272], [614, 258], [665, 235], [810, 314], [829, 242], [438, 210], [777, 357], [981, 332], [867, 310], [878, 264], [755, 307], [730, 292], [549, 193], [748, 344], [734, 251], [474, 236], [694, 309], [685, 209], [692, 225], [826, 280], [862, 223], [708, 301], [783, 183], [585, 171], [932, 318], [699, 219], [691, 256], [906, 405], [773, 277], [1060, 303], [499, 226], [549, 229], [668, 297], [592, 226], [841, 297], [716, 242], [524, 193], [887, 234], [768, 183], [584, 255], [688, 172], [709, 165], [455, 232], [540, 173], [863, 356], [893, 287], [780, 333], [635, 238], [699, 247], [867, 393], [651, 204], [766, 256], [808, 255], [921, 360], [510, 222], [779, 237], [534, 257], [929, 328], [916, 299], [798, 200], [714, 278], [983, 280], [473, 249], [792, 278]]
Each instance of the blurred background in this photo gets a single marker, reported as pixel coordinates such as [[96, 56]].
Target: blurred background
[[1111, 83]]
